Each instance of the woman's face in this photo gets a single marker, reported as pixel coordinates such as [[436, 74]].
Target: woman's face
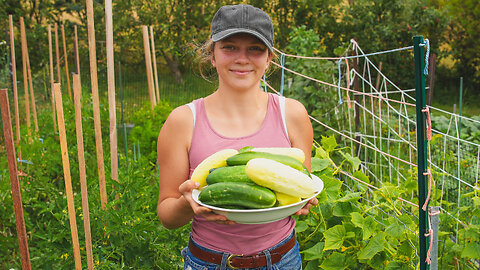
[[240, 60]]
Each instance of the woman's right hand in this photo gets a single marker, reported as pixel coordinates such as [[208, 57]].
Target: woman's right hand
[[186, 189]]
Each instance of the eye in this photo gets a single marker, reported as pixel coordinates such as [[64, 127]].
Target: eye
[[228, 47], [258, 48]]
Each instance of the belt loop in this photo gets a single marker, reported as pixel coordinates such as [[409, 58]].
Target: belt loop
[[223, 265], [269, 259]]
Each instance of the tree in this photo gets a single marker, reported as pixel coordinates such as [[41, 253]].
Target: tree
[[465, 40]]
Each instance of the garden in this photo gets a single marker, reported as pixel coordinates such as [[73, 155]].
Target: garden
[[361, 95]]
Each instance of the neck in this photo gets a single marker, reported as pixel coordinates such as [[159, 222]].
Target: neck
[[232, 101]]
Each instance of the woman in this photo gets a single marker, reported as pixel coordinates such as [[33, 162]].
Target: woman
[[236, 115]]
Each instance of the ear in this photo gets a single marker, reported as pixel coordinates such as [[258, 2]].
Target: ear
[[212, 59]]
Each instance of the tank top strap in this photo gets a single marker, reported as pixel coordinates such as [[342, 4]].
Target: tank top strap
[[281, 102], [191, 105]]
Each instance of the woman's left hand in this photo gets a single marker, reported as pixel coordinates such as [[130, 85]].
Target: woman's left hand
[[306, 208]]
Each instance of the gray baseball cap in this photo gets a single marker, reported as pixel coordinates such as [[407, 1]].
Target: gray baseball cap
[[234, 19]]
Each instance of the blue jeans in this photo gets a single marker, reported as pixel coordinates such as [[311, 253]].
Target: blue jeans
[[290, 260]]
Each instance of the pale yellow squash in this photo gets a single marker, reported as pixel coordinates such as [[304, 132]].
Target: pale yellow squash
[[216, 160]]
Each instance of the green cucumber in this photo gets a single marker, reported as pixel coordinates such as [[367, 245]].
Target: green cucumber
[[237, 196], [229, 174], [243, 158]]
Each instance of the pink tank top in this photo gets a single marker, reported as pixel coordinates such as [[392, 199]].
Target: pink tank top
[[244, 239]]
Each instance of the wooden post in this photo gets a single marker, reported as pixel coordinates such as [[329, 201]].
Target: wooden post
[[57, 52], [66, 173], [30, 83], [25, 73], [154, 63], [14, 80], [77, 59], [52, 80], [148, 63], [432, 78], [111, 89], [66, 62], [95, 101], [12, 168], [77, 95]]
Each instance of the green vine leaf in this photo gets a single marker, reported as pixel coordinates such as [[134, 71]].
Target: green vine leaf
[[331, 188], [350, 197], [367, 224], [334, 237], [321, 153], [355, 161], [329, 143], [472, 251], [315, 252], [336, 261], [319, 164], [375, 245]]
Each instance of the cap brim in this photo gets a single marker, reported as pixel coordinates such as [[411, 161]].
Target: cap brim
[[226, 33]]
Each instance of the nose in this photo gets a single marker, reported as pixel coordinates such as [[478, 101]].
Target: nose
[[242, 56]]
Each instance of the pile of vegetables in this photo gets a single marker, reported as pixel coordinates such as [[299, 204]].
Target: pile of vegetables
[[254, 178]]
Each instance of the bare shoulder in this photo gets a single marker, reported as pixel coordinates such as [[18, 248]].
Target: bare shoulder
[[299, 127], [178, 126], [294, 110]]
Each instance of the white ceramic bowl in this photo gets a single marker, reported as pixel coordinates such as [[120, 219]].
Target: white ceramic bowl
[[260, 216]]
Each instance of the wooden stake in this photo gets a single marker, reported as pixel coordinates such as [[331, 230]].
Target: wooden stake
[[154, 60], [77, 95], [111, 89], [52, 80], [95, 100], [57, 52], [12, 168], [66, 62], [431, 84], [66, 173], [14, 80], [77, 59], [30, 83], [25, 73], [148, 63]]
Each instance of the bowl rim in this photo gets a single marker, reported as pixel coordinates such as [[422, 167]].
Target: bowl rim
[[318, 183]]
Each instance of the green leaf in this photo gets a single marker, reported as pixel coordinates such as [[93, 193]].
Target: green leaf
[[394, 265], [350, 197], [361, 176], [342, 209], [355, 161], [374, 246], [301, 226], [334, 237], [395, 230], [472, 251], [476, 201], [367, 225], [336, 261], [329, 143], [312, 265], [331, 188], [321, 153], [315, 252], [319, 165]]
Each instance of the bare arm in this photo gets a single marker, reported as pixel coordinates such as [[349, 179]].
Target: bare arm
[[175, 206], [300, 132]]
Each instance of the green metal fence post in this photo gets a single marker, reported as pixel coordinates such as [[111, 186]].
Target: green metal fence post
[[421, 146]]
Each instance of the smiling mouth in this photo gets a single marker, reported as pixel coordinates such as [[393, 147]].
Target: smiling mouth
[[241, 72]]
